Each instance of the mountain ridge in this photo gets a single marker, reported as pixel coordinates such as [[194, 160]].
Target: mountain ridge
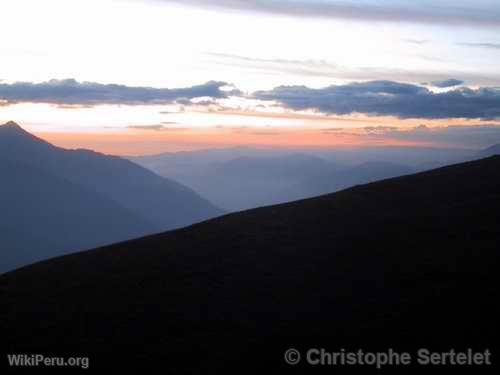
[[127, 200], [113, 177], [398, 263], [490, 151]]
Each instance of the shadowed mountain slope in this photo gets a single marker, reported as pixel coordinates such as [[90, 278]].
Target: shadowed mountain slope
[[406, 263], [56, 201], [44, 216], [335, 180], [249, 182], [236, 182], [490, 151], [163, 202]]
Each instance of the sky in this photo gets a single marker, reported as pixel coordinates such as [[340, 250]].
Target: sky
[[148, 76]]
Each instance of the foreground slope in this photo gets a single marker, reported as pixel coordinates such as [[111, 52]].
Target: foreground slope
[[405, 263]]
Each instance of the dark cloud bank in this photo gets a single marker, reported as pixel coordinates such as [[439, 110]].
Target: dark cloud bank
[[448, 83], [376, 98], [387, 98], [72, 92]]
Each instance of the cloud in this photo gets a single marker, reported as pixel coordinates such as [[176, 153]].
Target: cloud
[[388, 98], [463, 136], [457, 13], [421, 127], [416, 41], [333, 130], [267, 133], [74, 106], [469, 136], [481, 45], [177, 111], [146, 127], [327, 69], [70, 92], [158, 127], [447, 83], [379, 129], [300, 67]]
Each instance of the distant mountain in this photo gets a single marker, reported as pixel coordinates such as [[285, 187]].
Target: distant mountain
[[196, 166], [332, 181], [249, 182], [373, 171], [238, 178], [161, 203], [288, 167], [490, 151], [253, 180], [173, 163], [416, 157], [405, 263]]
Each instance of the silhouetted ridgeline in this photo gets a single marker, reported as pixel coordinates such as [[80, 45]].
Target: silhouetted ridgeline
[[406, 263], [56, 201], [490, 151]]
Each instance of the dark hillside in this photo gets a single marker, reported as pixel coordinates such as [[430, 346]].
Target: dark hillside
[[405, 263]]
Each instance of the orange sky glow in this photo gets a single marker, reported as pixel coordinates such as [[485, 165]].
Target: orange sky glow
[[133, 142]]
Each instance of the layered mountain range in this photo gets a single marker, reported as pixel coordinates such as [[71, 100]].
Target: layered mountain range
[[404, 263], [57, 201]]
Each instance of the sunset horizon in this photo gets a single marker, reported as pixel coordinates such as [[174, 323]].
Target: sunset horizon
[[339, 74], [249, 186]]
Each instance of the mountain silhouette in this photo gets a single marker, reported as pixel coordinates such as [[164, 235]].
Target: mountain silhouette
[[404, 263], [44, 216], [161, 201], [490, 151], [334, 180], [237, 178], [249, 182], [109, 187], [236, 182], [286, 167]]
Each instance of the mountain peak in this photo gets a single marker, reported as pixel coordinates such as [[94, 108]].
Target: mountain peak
[[11, 124], [12, 133], [12, 127]]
